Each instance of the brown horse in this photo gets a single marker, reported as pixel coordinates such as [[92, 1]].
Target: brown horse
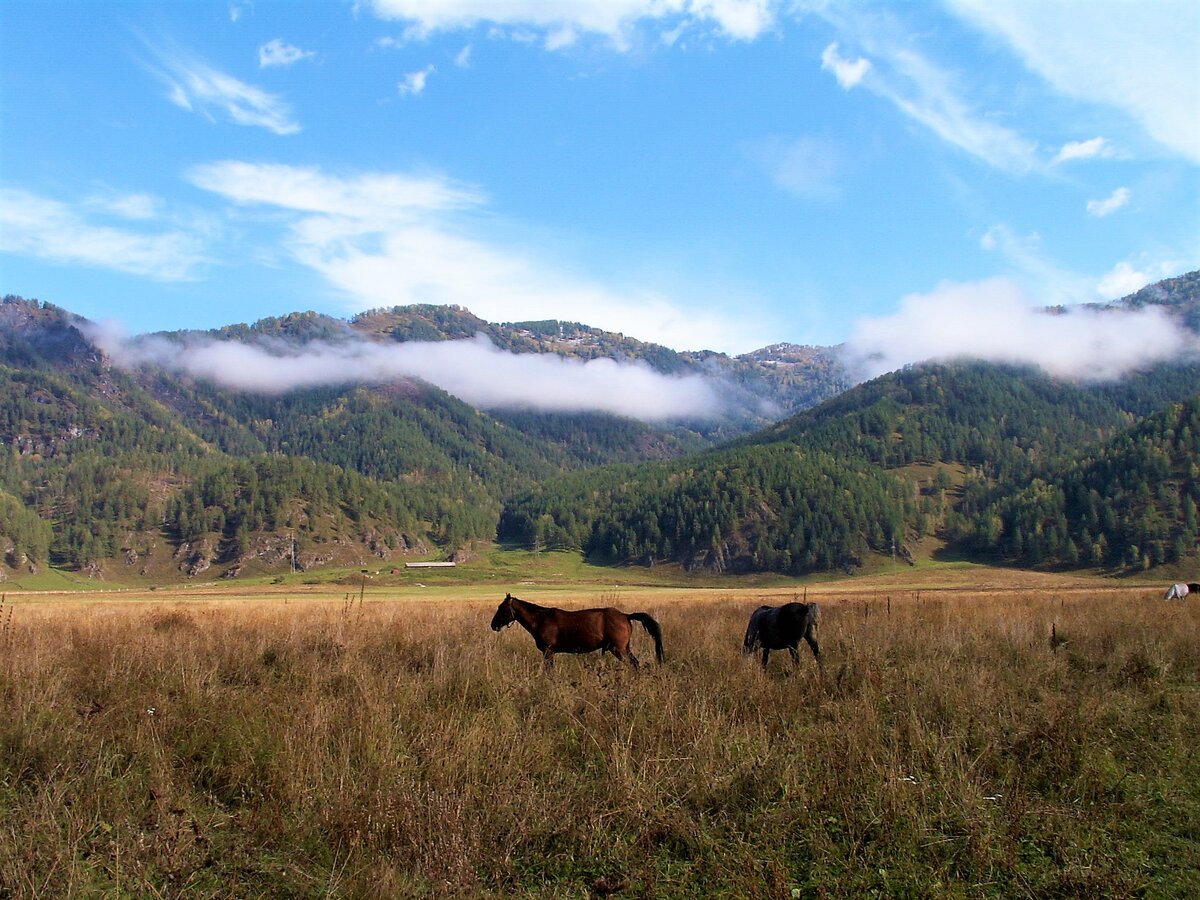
[[582, 631]]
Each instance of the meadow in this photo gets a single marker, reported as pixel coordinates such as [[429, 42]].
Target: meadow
[[998, 737]]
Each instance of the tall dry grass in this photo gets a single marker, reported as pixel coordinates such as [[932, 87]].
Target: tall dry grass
[[395, 749]]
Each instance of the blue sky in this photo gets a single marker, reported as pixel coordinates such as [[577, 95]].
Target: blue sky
[[717, 174]]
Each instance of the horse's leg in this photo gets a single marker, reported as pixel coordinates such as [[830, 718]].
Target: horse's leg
[[623, 653], [547, 659], [795, 656], [766, 656]]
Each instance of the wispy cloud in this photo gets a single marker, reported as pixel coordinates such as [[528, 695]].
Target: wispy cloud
[[558, 24], [994, 321], [413, 83], [386, 239], [1096, 148], [475, 371], [928, 95], [197, 87], [806, 167], [138, 207], [31, 225], [1139, 58], [1110, 204], [279, 53]]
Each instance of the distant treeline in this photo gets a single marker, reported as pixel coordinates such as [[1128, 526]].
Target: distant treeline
[[1058, 474]]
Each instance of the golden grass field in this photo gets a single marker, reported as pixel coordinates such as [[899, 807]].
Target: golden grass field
[[288, 741]]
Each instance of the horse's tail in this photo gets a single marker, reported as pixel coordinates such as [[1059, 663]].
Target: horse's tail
[[652, 629]]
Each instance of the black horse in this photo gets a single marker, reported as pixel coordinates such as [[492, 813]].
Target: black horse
[[783, 627]]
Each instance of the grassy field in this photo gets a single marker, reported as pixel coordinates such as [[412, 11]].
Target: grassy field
[[289, 740]]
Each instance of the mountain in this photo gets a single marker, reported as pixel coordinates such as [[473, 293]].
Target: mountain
[[144, 472], [868, 471], [1129, 503], [1180, 295]]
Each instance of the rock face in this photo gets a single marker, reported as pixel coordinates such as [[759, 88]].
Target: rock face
[[195, 557]]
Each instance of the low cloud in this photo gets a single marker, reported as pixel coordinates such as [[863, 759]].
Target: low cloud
[[994, 321], [474, 370]]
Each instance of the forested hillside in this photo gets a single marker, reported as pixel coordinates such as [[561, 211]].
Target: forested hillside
[[140, 471], [775, 508], [821, 490], [1129, 503], [144, 471]]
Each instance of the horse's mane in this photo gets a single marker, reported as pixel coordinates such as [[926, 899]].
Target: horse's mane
[[528, 603]]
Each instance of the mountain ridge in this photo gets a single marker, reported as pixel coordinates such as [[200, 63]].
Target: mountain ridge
[[120, 472]]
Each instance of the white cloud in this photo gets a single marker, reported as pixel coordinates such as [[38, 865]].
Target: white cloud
[[237, 9], [278, 53], [1110, 204], [1140, 58], [743, 20], [613, 19], [1122, 281], [463, 58], [413, 83], [560, 38], [31, 225], [806, 167], [197, 87], [994, 321], [474, 370], [388, 239], [848, 73], [1096, 148], [928, 95], [138, 207]]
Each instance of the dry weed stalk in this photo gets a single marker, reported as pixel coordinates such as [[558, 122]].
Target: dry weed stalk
[[289, 753]]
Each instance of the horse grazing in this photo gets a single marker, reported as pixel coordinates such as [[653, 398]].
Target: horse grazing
[[577, 631], [1179, 591], [783, 627]]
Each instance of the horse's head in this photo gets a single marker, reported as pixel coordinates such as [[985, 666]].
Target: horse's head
[[504, 614]]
